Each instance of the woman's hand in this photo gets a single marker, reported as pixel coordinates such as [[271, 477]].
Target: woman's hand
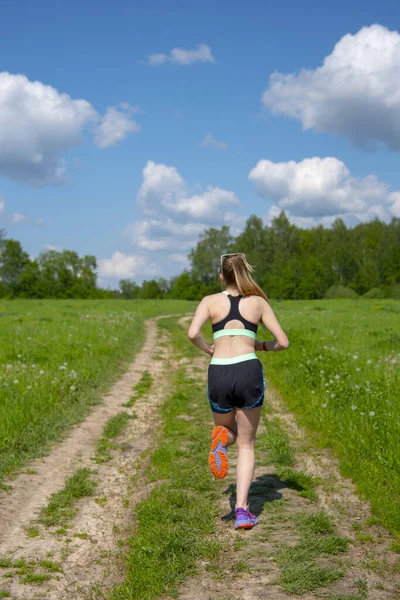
[[210, 350]]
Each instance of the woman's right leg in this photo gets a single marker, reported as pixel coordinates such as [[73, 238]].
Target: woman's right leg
[[247, 423], [227, 420]]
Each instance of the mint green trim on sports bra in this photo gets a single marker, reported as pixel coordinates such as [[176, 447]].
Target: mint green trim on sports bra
[[226, 332], [234, 360]]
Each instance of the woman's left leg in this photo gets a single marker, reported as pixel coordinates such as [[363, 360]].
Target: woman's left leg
[[247, 421]]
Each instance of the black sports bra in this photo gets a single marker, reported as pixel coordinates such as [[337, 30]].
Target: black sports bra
[[250, 329]]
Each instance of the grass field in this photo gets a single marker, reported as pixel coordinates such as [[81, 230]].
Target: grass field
[[56, 357], [341, 377]]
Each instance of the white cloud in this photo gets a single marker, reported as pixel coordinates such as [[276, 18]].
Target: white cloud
[[52, 247], [156, 235], [209, 140], [206, 206], [38, 124], [172, 217], [160, 184], [19, 218], [394, 199], [181, 259], [180, 56], [164, 189], [116, 124], [317, 190], [122, 266], [2, 204], [356, 91]]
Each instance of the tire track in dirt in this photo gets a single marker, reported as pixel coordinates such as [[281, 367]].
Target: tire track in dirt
[[372, 564], [91, 561]]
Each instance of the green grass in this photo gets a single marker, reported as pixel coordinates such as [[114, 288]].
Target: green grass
[[275, 441], [341, 377], [305, 577], [301, 571], [141, 389], [175, 525], [302, 482], [112, 429], [60, 508], [345, 597], [27, 572], [57, 357], [37, 578]]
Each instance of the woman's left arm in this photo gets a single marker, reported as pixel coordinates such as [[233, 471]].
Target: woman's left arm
[[202, 315]]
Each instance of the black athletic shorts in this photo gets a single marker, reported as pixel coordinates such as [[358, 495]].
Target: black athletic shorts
[[239, 385]]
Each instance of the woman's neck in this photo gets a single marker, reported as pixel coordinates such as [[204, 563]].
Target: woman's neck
[[232, 290]]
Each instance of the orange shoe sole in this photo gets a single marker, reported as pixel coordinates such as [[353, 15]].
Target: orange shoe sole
[[218, 459]]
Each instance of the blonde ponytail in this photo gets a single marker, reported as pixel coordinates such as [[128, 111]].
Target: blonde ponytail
[[237, 271]]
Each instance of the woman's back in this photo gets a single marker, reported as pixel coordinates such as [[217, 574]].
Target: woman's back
[[223, 306]]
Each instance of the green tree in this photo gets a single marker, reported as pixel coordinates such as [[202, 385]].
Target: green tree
[[184, 287], [13, 261], [205, 258], [129, 289], [150, 290]]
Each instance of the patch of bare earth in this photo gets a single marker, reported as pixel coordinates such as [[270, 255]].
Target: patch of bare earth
[[89, 553], [246, 568]]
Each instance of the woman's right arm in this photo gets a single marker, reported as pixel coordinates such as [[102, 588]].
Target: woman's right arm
[[271, 323], [194, 334]]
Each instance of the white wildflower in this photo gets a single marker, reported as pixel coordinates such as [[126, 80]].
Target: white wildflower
[[337, 376], [371, 413], [355, 356], [62, 368], [324, 405], [354, 407], [356, 387], [313, 391], [331, 381], [358, 369], [16, 381], [72, 388], [369, 361]]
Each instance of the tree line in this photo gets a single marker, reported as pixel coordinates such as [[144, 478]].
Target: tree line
[[291, 263]]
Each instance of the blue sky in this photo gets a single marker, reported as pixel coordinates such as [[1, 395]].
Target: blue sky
[[91, 190]]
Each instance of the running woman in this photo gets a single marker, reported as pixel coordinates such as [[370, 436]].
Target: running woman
[[235, 375]]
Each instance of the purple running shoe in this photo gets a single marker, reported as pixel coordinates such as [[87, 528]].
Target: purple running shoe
[[244, 519]]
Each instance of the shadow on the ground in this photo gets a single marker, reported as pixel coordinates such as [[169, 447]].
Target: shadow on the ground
[[264, 489]]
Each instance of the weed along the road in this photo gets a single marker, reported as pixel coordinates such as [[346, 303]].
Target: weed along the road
[[342, 378]]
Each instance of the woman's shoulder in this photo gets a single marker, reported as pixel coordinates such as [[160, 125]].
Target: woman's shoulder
[[213, 297]]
